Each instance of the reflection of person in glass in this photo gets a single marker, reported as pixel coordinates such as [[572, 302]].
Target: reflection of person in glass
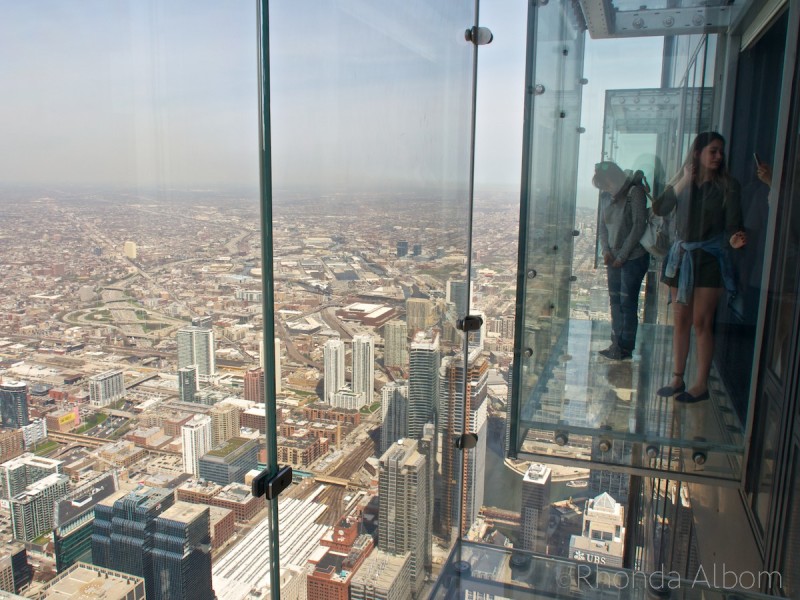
[[623, 218], [708, 219]]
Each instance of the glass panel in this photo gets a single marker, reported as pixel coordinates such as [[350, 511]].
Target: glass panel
[[790, 584], [604, 423], [371, 105], [490, 572], [130, 219], [581, 399]]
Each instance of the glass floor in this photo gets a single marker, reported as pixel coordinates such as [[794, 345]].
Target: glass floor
[[586, 408], [484, 571]]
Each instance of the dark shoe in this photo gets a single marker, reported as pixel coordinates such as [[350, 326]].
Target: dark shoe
[[614, 352], [687, 398], [668, 391]]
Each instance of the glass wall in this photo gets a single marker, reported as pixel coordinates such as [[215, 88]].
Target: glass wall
[[129, 226], [371, 107]]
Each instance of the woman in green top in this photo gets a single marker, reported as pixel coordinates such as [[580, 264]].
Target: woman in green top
[[706, 200]]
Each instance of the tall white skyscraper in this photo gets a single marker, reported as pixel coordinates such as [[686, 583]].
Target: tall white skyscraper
[[196, 347], [405, 506], [106, 387], [364, 366], [394, 413], [333, 353], [395, 344], [196, 435], [423, 383]]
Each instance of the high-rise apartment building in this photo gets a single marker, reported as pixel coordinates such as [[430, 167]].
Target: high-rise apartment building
[[395, 344], [188, 383], [196, 347], [347, 398], [394, 413], [137, 533], [404, 507], [229, 462], [14, 404], [18, 473], [106, 387], [196, 436], [333, 356], [535, 513], [423, 383], [463, 471], [254, 385], [224, 423], [420, 314], [402, 248], [364, 366], [32, 509], [11, 444]]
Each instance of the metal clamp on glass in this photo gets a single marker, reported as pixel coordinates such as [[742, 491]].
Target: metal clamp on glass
[[470, 323], [466, 441], [271, 486], [480, 36]]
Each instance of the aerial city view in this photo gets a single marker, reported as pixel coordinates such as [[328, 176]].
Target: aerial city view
[[130, 347]]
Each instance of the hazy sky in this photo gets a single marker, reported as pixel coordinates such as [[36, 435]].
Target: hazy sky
[[368, 93]]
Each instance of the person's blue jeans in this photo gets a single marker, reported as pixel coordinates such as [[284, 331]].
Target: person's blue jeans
[[624, 284]]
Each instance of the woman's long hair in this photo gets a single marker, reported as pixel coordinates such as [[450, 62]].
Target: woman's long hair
[[721, 177]]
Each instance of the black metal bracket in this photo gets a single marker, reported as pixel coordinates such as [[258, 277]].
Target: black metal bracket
[[272, 487], [466, 441], [470, 323]]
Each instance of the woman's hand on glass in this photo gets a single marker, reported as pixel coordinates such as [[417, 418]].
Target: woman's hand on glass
[[617, 263], [608, 258], [738, 240], [764, 173]]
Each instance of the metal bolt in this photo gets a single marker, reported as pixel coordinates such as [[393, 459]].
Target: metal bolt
[[538, 89], [527, 352], [531, 273]]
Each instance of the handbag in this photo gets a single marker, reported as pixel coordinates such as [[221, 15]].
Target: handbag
[[655, 238]]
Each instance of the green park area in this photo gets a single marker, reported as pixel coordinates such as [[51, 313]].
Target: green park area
[[91, 421], [368, 410]]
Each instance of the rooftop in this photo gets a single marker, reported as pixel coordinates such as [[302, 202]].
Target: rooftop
[[85, 582], [231, 446], [183, 512]]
